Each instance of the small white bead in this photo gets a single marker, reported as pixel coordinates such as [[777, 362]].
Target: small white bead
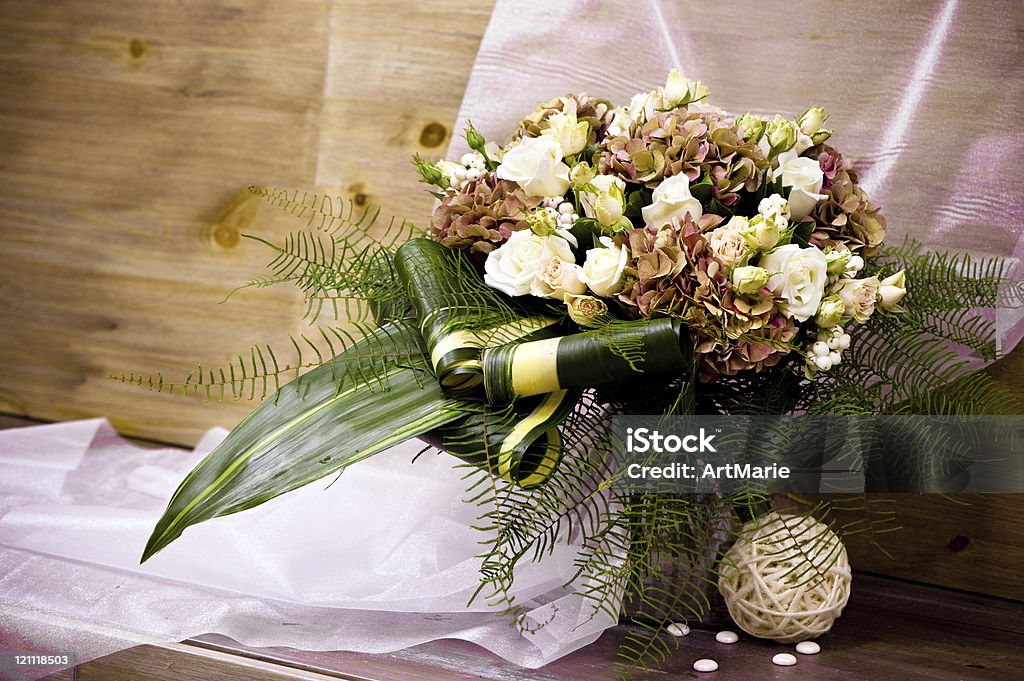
[[835, 357], [459, 173], [823, 363], [705, 665], [820, 349], [678, 629], [467, 158], [856, 263], [832, 343], [565, 207], [727, 637], [808, 648], [784, 660], [473, 174], [844, 341]]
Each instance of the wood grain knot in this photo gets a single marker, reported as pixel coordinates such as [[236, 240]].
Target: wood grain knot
[[433, 135], [959, 543], [136, 48], [360, 199], [226, 236]]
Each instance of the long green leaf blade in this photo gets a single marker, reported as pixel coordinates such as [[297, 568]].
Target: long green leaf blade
[[376, 394]]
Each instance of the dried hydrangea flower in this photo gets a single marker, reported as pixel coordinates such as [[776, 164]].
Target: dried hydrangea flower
[[694, 143], [482, 215], [847, 216]]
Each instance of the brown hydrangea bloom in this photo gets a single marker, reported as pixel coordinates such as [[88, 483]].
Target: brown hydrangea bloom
[[847, 216], [598, 113], [675, 272], [659, 274], [691, 143], [482, 215], [655, 280], [757, 350]]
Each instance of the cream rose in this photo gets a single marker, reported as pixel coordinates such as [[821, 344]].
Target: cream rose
[[536, 165], [679, 88], [728, 244], [859, 297], [804, 177], [603, 268], [892, 289], [607, 203], [671, 201], [512, 267], [798, 278], [557, 272], [568, 132]]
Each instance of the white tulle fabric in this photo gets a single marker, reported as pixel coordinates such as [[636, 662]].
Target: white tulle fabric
[[380, 560]]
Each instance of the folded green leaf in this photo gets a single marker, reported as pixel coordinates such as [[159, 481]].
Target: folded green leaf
[[617, 351], [518, 442], [458, 314]]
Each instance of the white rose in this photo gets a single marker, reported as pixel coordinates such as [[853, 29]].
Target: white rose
[[512, 267], [605, 205], [569, 133], [557, 272], [805, 177], [671, 201], [641, 107], [859, 296], [892, 289], [536, 164], [679, 88], [603, 268], [728, 244], [798, 277]]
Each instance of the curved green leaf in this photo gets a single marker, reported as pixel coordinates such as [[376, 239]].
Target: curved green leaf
[[318, 424]]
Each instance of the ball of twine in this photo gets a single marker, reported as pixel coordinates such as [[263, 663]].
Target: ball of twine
[[787, 578]]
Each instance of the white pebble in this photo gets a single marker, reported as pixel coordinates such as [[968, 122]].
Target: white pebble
[[784, 660], [823, 363], [808, 648], [565, 207], [835, 357], [727, 637], [705, 665], [820, 348], [678, 629]]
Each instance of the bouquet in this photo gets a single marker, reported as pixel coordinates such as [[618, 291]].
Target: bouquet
[[660, 257]]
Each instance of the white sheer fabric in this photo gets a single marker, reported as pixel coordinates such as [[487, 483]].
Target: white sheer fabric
[[380, 560]]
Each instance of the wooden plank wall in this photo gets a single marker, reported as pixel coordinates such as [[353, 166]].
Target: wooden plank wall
[[129, 133]]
